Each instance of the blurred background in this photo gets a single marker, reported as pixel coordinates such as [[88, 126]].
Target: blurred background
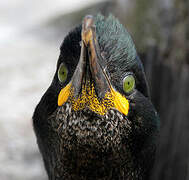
[[30, 35]]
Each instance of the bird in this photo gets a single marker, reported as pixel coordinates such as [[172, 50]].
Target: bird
[[96, 120]]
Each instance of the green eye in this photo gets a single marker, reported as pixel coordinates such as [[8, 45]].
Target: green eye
[[128, 83], [62, 73]]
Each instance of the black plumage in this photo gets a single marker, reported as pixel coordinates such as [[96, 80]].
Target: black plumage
[[81, 143]]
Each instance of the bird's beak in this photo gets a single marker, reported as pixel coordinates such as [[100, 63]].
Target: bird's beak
[[90, 86]]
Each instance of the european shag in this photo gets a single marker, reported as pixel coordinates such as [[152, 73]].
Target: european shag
[[96, 120]]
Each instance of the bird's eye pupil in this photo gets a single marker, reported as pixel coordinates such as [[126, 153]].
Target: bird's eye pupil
[[62, 73], [128, 83]]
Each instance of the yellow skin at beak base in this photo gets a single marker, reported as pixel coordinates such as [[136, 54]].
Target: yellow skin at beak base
[[112, 99], [64, 94]]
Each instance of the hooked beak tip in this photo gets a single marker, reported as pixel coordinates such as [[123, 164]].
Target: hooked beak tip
[[87, 29]]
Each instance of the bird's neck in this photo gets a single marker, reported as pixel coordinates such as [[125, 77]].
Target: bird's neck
[[77, 150], [87, 163]]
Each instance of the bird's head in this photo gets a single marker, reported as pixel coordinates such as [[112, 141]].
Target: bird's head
[[100, 93], [92, 85]]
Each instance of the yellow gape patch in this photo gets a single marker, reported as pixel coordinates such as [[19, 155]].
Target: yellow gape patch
[[88, 98], [64, 94]]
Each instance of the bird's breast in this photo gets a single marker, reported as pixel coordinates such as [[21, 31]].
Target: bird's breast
[[86, 140]]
